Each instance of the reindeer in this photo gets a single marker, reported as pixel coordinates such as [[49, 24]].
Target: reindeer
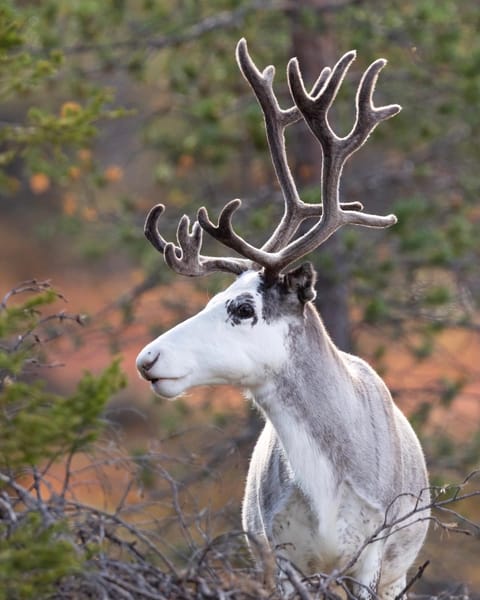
[[336, 455]]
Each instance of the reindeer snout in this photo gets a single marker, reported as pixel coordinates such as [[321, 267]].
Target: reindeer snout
[[145, 362]]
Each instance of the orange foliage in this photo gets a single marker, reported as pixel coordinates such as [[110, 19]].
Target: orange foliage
[[39, 183], [69, 204], [85, 155], [74, 172], [306, 172], [69, 108], [89, 213], [113, 173], [185, 163]]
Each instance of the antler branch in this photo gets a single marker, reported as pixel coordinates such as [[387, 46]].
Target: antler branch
[[185, 258], [276, 121], [336, 150]]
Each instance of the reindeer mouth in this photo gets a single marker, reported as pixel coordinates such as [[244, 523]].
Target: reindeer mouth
[[160, 379], [168, 387]]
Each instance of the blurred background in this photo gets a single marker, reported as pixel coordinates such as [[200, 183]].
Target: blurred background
[[109, 107]]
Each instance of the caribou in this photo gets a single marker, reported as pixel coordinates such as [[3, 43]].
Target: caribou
[[337, 461]]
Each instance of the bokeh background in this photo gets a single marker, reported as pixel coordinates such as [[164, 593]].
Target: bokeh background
[[109, 107]]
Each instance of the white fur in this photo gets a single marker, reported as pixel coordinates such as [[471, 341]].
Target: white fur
[[206, 349]]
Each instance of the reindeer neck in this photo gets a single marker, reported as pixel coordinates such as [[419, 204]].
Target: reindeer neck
[[312, 376], [311, 404]]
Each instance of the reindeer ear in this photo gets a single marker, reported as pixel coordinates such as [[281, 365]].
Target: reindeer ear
[[302, 281]]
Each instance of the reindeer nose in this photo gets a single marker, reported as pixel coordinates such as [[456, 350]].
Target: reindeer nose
[[144, 364]]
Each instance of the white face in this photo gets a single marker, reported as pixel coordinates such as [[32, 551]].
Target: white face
[[229, 341]]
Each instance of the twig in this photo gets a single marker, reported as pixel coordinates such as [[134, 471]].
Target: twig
[[61, 317], [296, 583], [414, 579], [32, 285], [387, 529], [127, 526], [221, 20]]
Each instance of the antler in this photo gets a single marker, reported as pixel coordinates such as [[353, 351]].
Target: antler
[[279, 251], [314, 107], [185, 258]]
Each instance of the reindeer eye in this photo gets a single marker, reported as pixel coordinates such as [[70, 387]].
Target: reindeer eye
[[241, 309], [244, 311]]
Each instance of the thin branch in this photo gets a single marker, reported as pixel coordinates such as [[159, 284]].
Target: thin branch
[[30, 333], [222, 20], [294, 579], [32, 285], [418, 575], [127, 526], [387, 529]]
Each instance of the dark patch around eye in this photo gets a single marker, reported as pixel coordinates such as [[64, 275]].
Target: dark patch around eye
[[241, 308]]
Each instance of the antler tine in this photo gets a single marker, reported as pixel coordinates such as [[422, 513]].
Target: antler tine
[[151, 229], [369, 116], [262, 85], [276, 121], [224, 232], [315, 111], [187, 262], [336, 150], [185, 258], [315, 108]]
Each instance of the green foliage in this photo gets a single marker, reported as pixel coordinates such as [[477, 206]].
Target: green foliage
[[437, 296], [34, 557], [174, 416], [421, 415], [46, 135], [31, 63], [37, 548], [37, 425], [21, 70], [450, 390], [23, 317], [375, 310]]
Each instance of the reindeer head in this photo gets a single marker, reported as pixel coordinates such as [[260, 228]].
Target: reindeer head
[[242, 332]]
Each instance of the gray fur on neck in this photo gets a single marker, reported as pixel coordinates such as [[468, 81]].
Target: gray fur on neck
[[316, 389]]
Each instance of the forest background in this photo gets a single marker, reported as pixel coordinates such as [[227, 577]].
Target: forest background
[[111, 107]]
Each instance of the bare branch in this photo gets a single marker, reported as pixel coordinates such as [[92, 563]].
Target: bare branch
[[223, 20], [32, 285]]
